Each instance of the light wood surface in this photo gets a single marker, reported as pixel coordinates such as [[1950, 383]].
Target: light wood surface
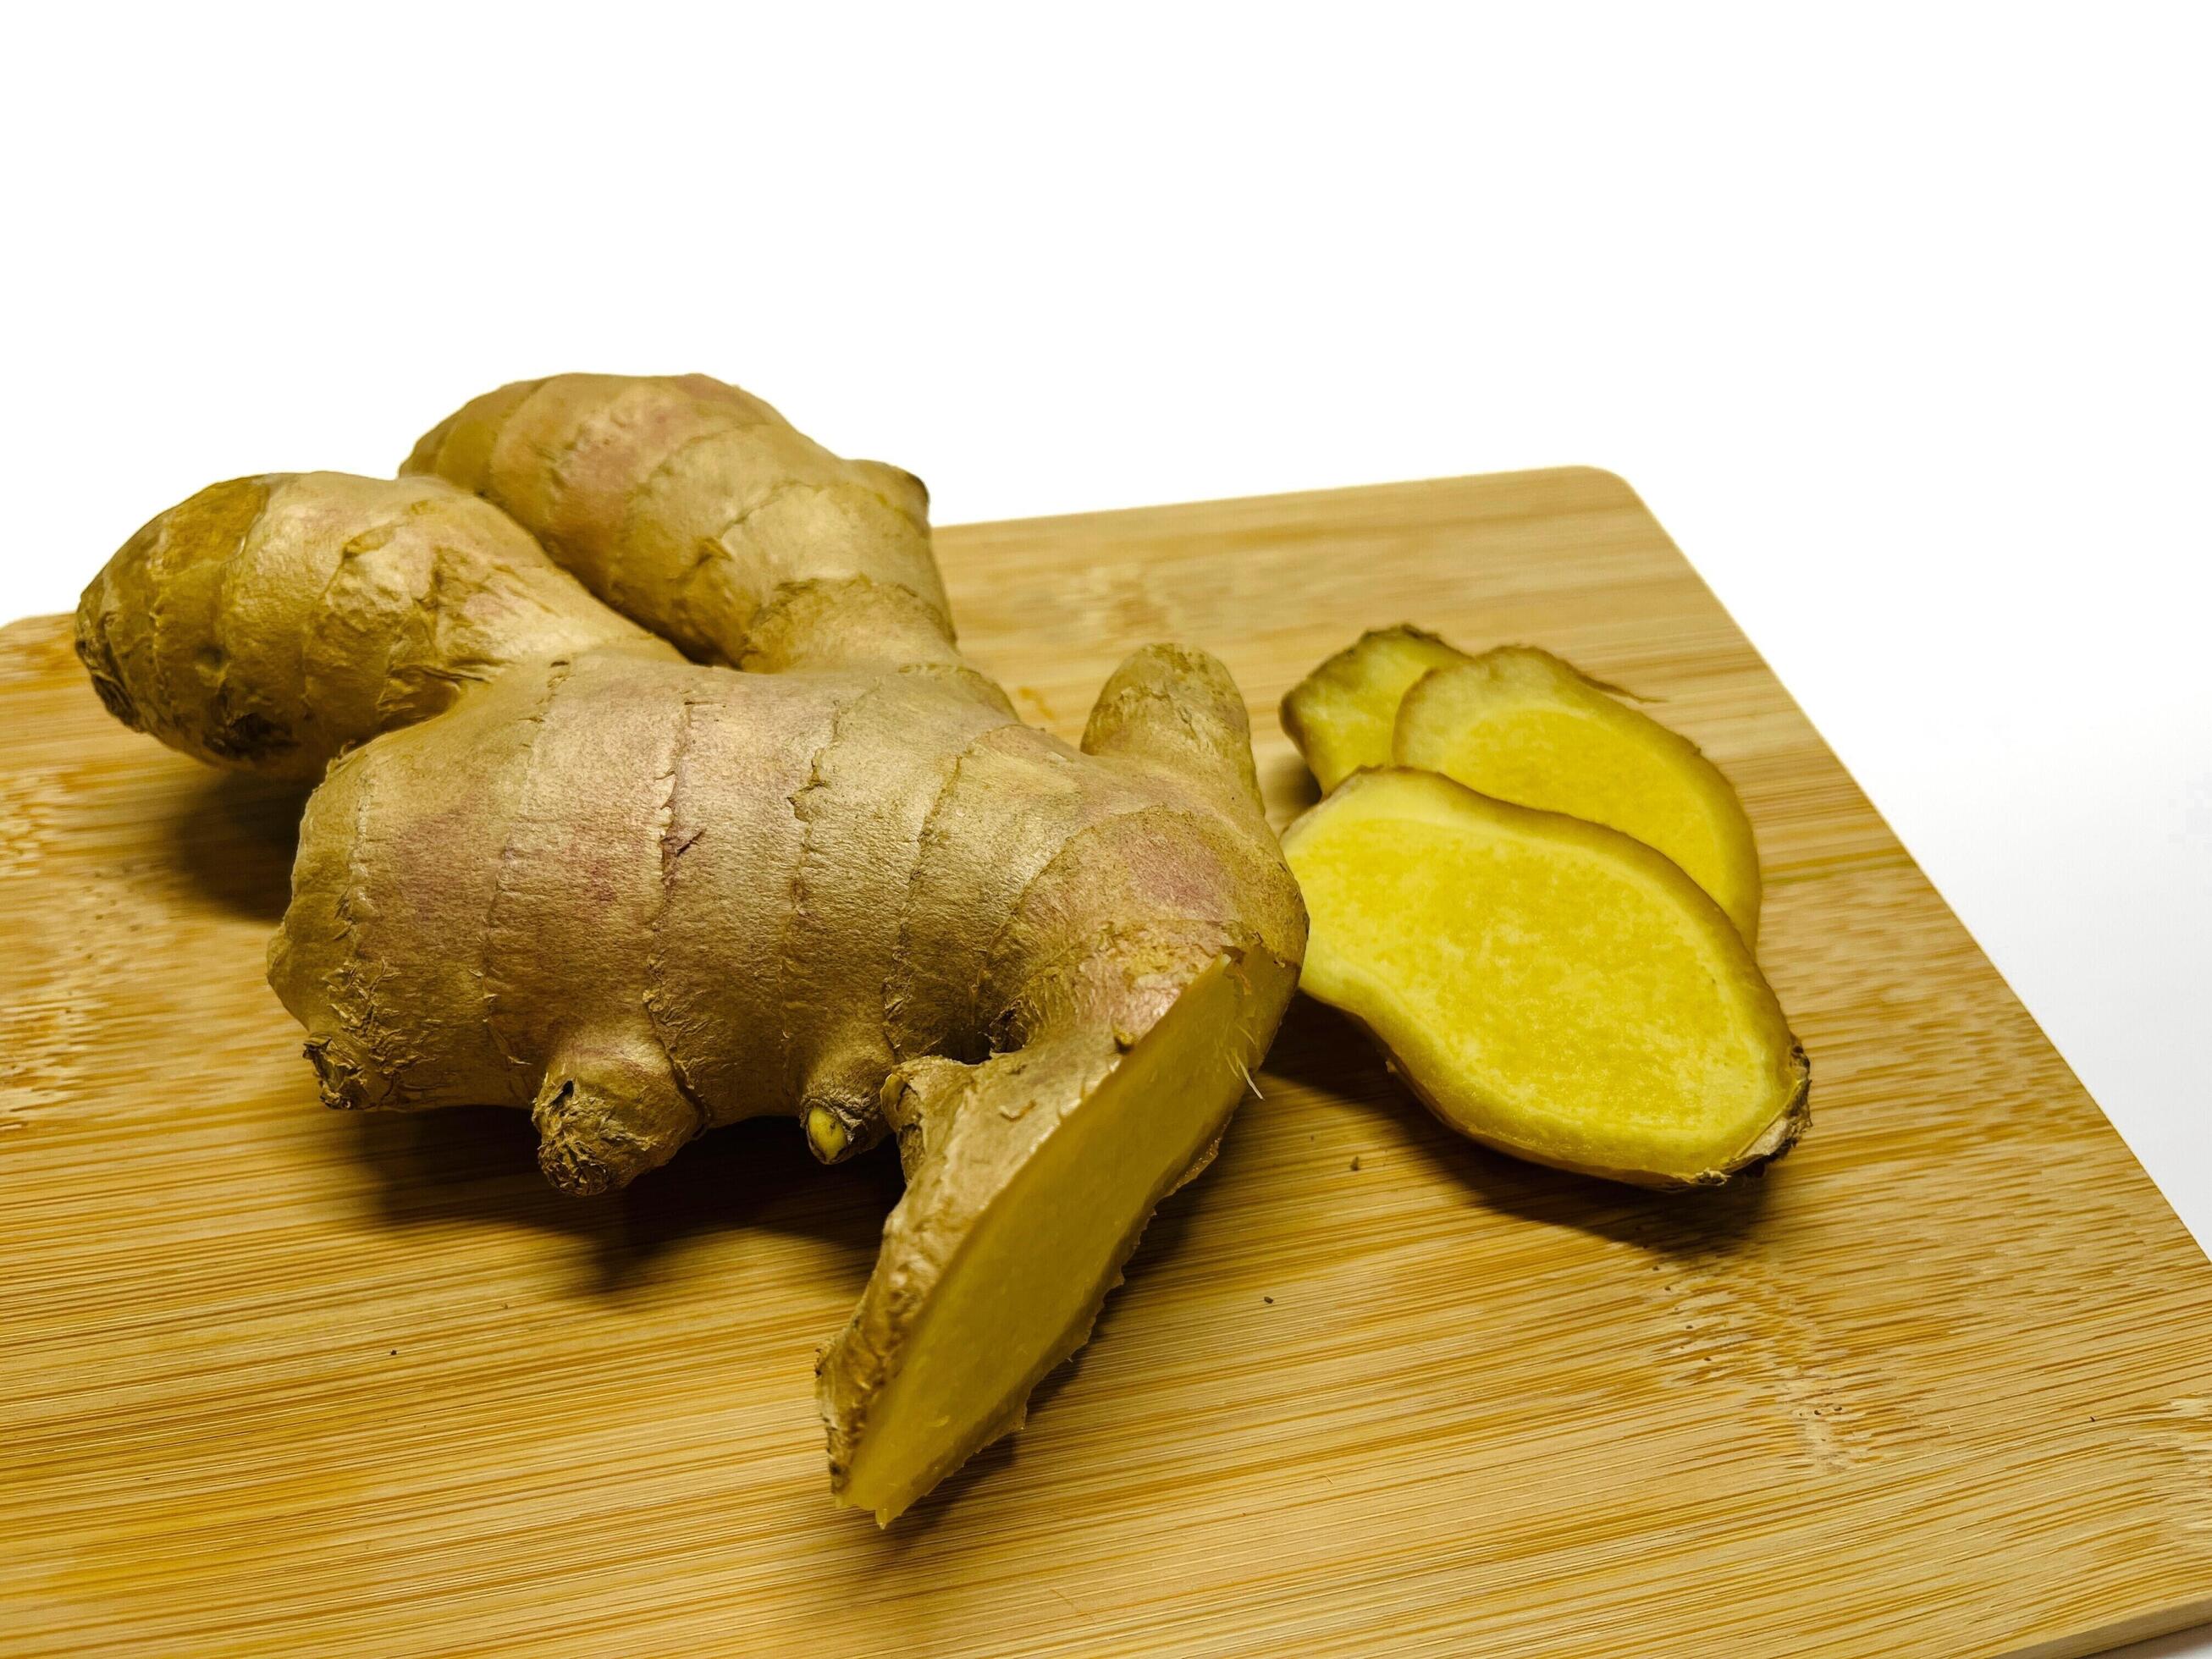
[[281, 1380]]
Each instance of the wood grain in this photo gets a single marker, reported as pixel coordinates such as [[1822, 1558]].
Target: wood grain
[[280, 1381]]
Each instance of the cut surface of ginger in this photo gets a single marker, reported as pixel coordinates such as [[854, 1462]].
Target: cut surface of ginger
[[1038, 1250], [1519, 724], [1549, 987]]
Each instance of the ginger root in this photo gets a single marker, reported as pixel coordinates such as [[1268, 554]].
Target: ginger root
[[1549, 986], [656, 794]]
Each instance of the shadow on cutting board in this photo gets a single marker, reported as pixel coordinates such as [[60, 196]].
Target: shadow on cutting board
[[480, 1164], [1320, 1050], [234, 838]]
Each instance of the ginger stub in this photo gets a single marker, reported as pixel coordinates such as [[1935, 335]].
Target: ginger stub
[[654, 794]]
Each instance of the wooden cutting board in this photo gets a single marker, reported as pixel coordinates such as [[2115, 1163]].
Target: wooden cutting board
[[281, 1380]]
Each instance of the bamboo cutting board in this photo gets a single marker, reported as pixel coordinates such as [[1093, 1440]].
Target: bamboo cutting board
[[281, 1380]]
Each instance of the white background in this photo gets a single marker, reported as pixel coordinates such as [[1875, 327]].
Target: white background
[[1896, 317]]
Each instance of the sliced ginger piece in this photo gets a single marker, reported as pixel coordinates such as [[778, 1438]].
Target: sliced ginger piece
[[1017, 1224], [1549, 986], [1342, 714], [1518, 724]]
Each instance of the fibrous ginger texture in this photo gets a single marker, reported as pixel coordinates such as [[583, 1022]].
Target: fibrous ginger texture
[[654, 794]]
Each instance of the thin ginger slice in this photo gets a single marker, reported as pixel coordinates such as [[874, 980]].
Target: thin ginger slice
[[1551, 988], [1519, 724], [1342, 714]]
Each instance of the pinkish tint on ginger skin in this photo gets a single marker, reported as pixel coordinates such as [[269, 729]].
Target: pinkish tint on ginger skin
[[654, 794]]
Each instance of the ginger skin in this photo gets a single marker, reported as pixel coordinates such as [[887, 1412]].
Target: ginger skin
[[740, 834]]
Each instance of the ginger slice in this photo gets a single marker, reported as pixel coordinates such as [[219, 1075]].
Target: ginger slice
[[1550, 988], [1341, 715], [1519, 724]]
